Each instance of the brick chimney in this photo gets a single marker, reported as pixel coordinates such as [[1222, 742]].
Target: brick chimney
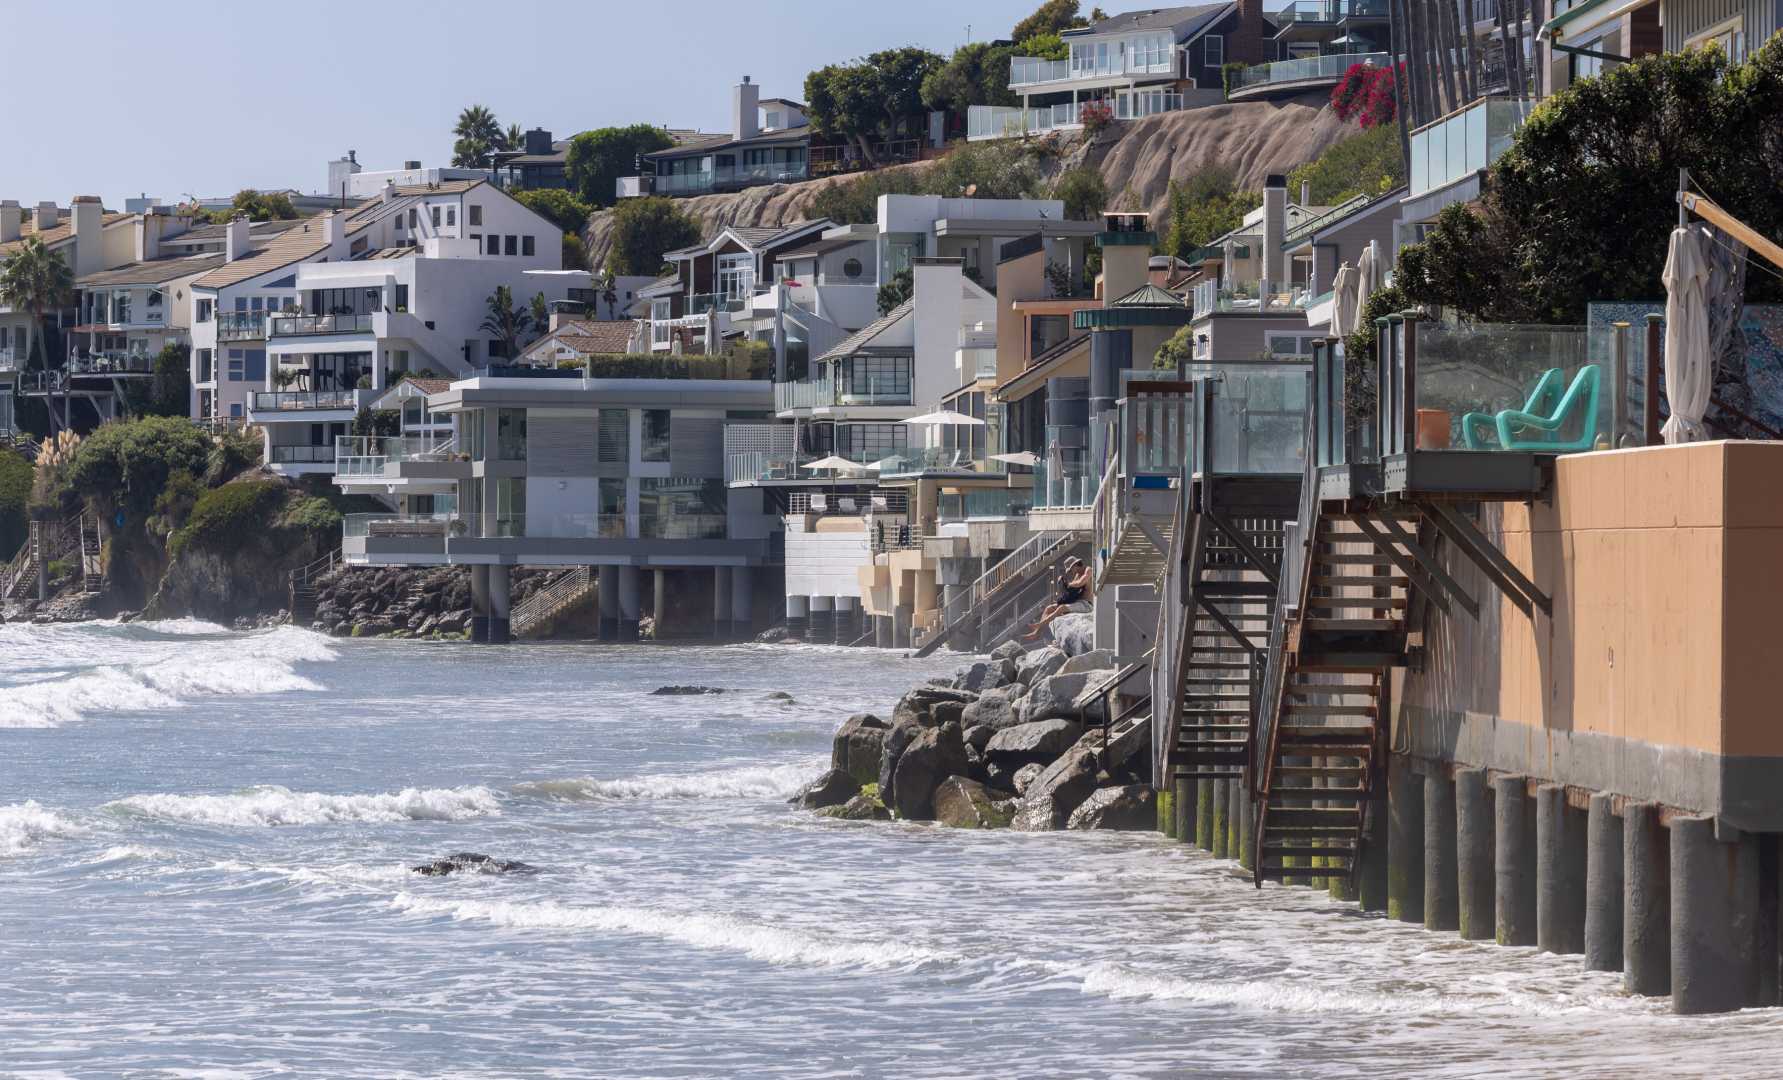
[[746, 110], [235, 238], [1245, 43], [12, 220]]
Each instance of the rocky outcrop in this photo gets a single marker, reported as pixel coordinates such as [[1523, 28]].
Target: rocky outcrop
[[685, 691], [833, 788], [1059, 789], [1074, 634], [1040, 740], [897, 740], [1131, 806], [858, 746], [932, 756], [1039, 664], [471, 862], [1054, 697], [860, 808], [993, 709], [967, 804]]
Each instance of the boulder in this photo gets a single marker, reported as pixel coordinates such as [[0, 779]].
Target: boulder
[[1000, 776], [965, 804], [471, 862], [932, 756], [1090, 701], [983, 676], [1075, 634], [1054, 697], [859, 808], [1129, 743], [1039, 664], [897, 739], [373, 628], [993, 710], [858, 746], [1039, 741], [978, 736], [833, 788], [919, 702], [947, 712], [1009, 650], [1058, 790], [685, 691], [1132, 806], [1089, 661], [1025, 775]]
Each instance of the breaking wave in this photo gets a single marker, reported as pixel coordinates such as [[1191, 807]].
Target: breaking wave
[[272, 805], [25, 825], [741, 782], [723, 933]]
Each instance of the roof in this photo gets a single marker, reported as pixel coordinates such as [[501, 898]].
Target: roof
[[57, 234], [1353, 209], [1149, 295], [1040, 368], [151, 272], [859, 340], [796, 133], [215, 234], [1185, 21], [799, 105], [597, 336], [412, 387], [667, 283]]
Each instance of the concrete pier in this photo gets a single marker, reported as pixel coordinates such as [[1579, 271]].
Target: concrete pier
[[798, 617], [500, 603], [1646, 902], [901, 627], [608, 599], [659, 602], [848, 619], [1442, 898], [1559, 872], [1513, 862], [1222, 813], [631, 603], [1405, 842], [721, 602], [1714, 892], [1371, 884], [1204, 794], [882, 631], [479, 603], [1475, 851], [742, 602], [1603, 885], [1183, 809], [1244, 825]]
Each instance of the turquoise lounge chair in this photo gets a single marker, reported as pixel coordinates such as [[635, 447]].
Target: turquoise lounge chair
[[1531, 431], [1480, 430]]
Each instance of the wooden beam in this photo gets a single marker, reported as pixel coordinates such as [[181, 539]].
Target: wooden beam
[[1491, 561], [1732, 226], [1219, 616], [1430, 565], [1384, 544], [1244, 546]]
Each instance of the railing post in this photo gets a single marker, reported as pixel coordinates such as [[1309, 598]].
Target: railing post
[[1650, 386], [1408, 388]]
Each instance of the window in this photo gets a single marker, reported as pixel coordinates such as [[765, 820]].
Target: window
[[656, 435], [510, 506], [1046, 331], [475, 214], [402, 298], [510, 434], [1729, 36], [870, 442], [877, 378], [510, 243], [470, 436], [610, 501], [399, 223], [205, 307], [526, 247], [237, 365], [452, 216], [681, 508], [736, 276], [494, 244], [206, 362], [851, 268], [614, 427], [413, 219], [1215, 45], [434, 213]]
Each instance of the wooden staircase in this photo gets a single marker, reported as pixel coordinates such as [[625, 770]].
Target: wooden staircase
[[304, 585], [46, 542]]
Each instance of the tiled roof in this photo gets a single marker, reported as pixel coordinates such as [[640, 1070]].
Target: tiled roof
[[430, 386], [861, 338], [595, 336], [1181, 19], [55, 235], [151, 272], [274, 252]]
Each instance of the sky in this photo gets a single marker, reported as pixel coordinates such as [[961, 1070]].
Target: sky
[[176, 99]]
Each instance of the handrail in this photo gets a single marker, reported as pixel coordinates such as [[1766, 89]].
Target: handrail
[[1014, 566], [547, 601], [1103, 517], [316, 568]]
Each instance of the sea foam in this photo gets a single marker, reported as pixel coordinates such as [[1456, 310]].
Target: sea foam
[[739, 782], [25, 825], [273, 805]]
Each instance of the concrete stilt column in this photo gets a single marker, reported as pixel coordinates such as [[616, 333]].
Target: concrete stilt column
[[1371, 882], [1204, 795], [500, 596], [1646, 902], [480, 603], [848, 619], [721, 602], [659, 601], [1234, 811], [1714, 918], [1442, 899], [742, 602], [822, 630], [1184, 808], [1559, 872], [631, 605], [882, 631], [1770, 973], [1603, 886], [1513, 862], [798, 615], [1475, 848], [1247, 825], [1405, 842], [1222, 809], [901, 627], [609, 602]]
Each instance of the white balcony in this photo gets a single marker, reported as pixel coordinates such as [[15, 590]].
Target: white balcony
[[1463, 143], [1306, 71], [1026, 71]]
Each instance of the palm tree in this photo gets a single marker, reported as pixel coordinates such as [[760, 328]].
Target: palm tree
[[505, 322], [478, 132], [514, 139], [36, 280]]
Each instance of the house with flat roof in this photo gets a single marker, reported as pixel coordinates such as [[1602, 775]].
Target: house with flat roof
[[769, 142]]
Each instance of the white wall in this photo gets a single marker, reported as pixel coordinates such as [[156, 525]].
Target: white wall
[[560, 505], [823, 563]]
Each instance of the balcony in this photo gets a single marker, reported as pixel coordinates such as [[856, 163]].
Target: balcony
[[1463, 143], [300, 455], [804, 394], [1005, 122], [700, 303], [730, 176], [111, 363], [367, 455], [241, 325], [935, 460], [1248, 297], [1063, 484], [631, 187], [307, 325], [1266, 78], [304, 400], [1027, 71]]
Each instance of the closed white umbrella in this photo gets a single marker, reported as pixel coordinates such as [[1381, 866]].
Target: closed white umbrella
[[1689, 369], [1020, 457], [945, 417], [1343, 301], [1368, 281]]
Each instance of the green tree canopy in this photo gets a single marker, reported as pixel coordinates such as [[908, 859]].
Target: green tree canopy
[[15, 500], [1369, 164], [1050, 17], [643, 229], [38, 281], [557, 206], [597, 159], [1203, 206], [127, 463], [873, 98], [476, 134], [259, 206], [1083, 191], [505, 322]]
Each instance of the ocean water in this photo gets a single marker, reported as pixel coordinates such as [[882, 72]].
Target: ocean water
[[205, 839]]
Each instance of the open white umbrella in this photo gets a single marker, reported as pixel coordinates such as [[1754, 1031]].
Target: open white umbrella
[[834, 461], [945, 417], [1343, 301], [1689, 369], [1020, 457]]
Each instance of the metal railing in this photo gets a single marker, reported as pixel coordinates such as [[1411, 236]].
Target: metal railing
[[804, 394], [304, 399], [728, 176], [933, 459], [366, 455], [1036, 554], [241, 325], [1282, 72], [111, 363], [300, 325], [1028, 70], [566, 589]]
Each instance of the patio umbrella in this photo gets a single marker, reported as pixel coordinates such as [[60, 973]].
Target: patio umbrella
[[1343, 301], [1020, 457], [1368, 280], [945, 417], [834, 461], [1689, 369]]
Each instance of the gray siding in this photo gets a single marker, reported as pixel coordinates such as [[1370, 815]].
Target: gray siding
[[1686, 17], [560, 446], [696, 446]]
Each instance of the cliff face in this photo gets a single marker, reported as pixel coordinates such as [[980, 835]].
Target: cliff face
[[1137, 160]]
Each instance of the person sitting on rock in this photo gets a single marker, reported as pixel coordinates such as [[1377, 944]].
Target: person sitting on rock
[[1074, 586]]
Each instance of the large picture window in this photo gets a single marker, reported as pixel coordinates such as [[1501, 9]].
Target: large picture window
[[510, 434], [736, 276], [656, 435]]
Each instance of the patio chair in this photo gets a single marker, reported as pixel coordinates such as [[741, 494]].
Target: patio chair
[[845, 505], [1480, 430], [1518, 430], [820, 503]]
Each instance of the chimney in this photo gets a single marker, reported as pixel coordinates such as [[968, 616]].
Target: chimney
[[89, 247], [12, 220], [538, 141], [1275, 224], [937, 288], [331, 230], [149, 226], [47, 218], [1126, 254], [1306, 193], [746, 110], [389, 195], [1245, 43], [235, 238]]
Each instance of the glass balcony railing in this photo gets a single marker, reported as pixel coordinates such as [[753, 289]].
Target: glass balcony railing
[[1464, 142], [276, 400], [1061, 484], [695, 183], [700, 303], [366, 455], [301, 325], [984, 504], [11, 360], [1282, 72], [1028, 70], [1220, 297], [396, 525], [111, 363], [299, 455], [932, 459], [1256, 422], [241, 325]]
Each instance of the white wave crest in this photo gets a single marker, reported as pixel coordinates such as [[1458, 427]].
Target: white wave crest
[[1115, 981], [157, 675], [721, 933], [25, 825], [273, 805], [740, 782]]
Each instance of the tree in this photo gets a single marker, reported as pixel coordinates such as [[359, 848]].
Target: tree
[[872, 98], [900, 288], [477, 133], [541, 312], [505, 322], [512, 139], [575, 252], [1202, 207], [643, 229], [1177, 350], [855, 201], [557, 206], [170, 391], [258, 206], [36, 281], [16, 475], [1368, 163], [1083, 191], [1050, 17], [1366, 95], [597, 159]]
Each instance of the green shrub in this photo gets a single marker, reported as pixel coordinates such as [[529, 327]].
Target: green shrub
[[311, 514], [174, 505], [231, 452], [15, 501], [1083, 192], [224, 517], [127, 463], [753, 362]]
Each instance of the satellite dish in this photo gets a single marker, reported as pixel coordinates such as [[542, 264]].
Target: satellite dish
[[971, 190]]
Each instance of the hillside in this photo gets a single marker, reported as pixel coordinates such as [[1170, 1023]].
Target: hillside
[[1252, 138]]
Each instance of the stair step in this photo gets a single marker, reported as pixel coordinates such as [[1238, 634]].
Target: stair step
[[1297, 709], [1279, 872], [1319, 770], [1370, 603], [1361, 662], [1209, 774], [1351, 626], [1321, 851], [1352, 559], [1215, 727], [1335, 581], [1339, 794]]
